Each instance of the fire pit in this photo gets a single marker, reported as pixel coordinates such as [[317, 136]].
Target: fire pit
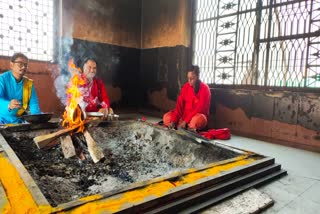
[[134, 152], [145, 166]]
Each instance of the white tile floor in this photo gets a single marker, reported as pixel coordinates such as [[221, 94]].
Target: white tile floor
[[299, 191]]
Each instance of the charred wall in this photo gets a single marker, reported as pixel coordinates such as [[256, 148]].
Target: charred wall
[[117, 66], [114, 22], [283, 117], [110, 32], [165, 54], [166, 23]]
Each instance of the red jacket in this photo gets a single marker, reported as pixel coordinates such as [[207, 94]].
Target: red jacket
[[98, 97], [189, 103]]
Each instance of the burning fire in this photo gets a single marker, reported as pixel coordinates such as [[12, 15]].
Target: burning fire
[[73, 115]]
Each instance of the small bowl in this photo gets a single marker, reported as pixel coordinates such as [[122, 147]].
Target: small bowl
[[38, 118]]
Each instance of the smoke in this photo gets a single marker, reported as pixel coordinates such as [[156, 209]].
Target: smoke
[[60, 84], [62, 77], [97, 7], [67, 47]]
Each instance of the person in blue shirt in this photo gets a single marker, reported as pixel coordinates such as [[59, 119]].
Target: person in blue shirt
[[17, 92]]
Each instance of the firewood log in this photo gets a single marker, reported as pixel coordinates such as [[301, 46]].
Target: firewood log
[[67, 146], [94, 150], [44, 140]]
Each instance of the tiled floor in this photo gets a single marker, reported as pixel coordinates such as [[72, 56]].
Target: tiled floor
[[299, 191]]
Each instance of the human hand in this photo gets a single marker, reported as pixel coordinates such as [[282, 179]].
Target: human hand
[[14, 104], [111, 113], [183, 125], [105, 112], [172, 125]]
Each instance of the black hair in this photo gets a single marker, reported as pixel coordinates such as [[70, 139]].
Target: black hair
[[195, 69], [89, 59], [18, 55]]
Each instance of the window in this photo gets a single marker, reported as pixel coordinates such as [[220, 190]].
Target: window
[[258, 42], [27, 26]]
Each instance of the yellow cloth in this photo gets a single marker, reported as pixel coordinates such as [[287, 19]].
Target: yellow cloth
[[26, 95]]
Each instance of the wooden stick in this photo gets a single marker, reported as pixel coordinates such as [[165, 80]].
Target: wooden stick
[[43, 140], [67, 146], [80, 145], [94, 150]]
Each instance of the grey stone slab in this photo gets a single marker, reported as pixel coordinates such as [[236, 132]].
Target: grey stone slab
[[250, 201]]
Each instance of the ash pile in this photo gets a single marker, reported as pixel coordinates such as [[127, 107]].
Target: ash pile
[[134, 151]]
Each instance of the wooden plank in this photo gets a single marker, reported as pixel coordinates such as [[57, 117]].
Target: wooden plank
[[43, 140], [24, 174], [67, 146], [94, 150], [3, 199]]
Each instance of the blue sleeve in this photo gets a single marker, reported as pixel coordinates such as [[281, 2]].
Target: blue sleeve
[[3, 101], [33, 103]]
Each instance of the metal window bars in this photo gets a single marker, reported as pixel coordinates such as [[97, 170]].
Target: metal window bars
[[258, 42], [27, 27]]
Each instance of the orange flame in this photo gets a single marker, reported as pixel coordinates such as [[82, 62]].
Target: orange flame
[[73, 115], [72, 67]]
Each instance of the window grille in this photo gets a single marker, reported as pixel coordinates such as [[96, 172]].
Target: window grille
[[27, 26], [258, 42]]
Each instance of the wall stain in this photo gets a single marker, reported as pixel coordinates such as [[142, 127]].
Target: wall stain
[[164, 67], [291, 108], [116, 22], [170, 26]]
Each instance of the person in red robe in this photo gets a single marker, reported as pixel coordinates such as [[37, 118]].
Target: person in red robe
[[193, 104], [97, 99]]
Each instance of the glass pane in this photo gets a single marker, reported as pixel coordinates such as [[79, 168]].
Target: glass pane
[[25, 29]]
